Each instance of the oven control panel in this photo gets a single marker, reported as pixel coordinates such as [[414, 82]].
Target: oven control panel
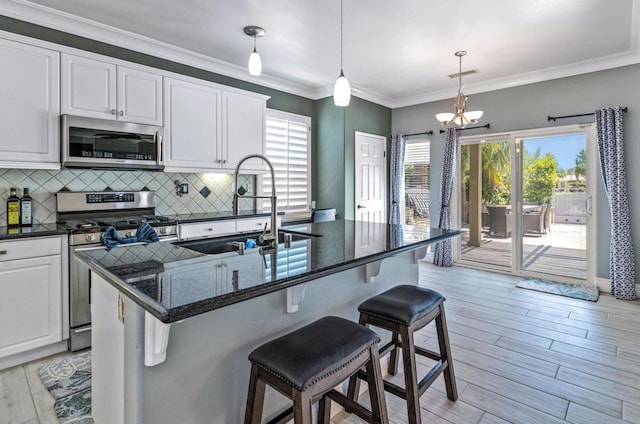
[[110, 197]]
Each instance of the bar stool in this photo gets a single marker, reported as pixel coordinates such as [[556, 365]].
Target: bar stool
[[306, 364], [403, 310]]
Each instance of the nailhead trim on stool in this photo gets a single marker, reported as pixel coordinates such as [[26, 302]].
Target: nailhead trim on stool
[[403, 310], [306, 364]]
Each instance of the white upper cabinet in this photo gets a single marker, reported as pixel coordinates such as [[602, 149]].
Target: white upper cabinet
[[97, 89], [209, 128], [29, 106], [192, 126], [244, 118]]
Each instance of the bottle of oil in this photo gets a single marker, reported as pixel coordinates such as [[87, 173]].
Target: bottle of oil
[[26, 211], [13, 209]]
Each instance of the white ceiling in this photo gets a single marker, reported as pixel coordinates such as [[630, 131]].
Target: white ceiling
[[396, 53]]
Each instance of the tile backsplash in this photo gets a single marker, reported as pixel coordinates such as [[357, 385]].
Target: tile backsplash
[[43, 185]]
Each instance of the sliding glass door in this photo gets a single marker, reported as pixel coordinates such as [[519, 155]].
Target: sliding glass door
[[485, 202], [524, 202]]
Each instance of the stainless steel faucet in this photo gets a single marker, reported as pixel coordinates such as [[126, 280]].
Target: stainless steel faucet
[[272, 236]]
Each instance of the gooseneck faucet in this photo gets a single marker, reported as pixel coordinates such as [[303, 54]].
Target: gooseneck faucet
[[272, 236]]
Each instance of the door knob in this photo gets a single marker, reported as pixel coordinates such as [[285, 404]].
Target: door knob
[[361, 207]]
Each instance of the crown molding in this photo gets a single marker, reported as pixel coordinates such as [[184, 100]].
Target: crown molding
[[54, 19], [61, 21]]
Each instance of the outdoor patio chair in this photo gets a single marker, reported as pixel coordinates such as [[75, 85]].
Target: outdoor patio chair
[[499, 222], [533, 222]]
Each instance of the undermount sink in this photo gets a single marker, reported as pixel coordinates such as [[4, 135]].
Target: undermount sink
[[214, 246]]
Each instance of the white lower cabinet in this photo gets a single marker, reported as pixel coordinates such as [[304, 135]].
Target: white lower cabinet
[[31, 304], [224, 227]]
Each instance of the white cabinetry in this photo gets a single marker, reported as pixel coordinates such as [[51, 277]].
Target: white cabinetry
[[244, 117], [192, 126], [97, 89], [206, 229], [209, 128], [32, 301], [215, 228], [29, 106]]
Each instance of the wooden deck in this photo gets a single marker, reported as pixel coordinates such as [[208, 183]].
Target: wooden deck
[[562, 252]]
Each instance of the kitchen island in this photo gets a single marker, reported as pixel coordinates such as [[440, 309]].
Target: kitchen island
[[173, 326]]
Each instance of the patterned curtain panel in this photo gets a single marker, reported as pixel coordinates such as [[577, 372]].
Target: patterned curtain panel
[[397, 177], [622, 268], [443, 254]]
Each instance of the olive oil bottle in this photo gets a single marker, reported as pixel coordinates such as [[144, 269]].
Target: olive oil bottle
[[13, 209], [26, 210]]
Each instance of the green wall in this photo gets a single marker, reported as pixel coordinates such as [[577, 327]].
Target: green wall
[[334, 149]]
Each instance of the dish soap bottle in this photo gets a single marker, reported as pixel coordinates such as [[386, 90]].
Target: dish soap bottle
[[26, 211], [13, 209]]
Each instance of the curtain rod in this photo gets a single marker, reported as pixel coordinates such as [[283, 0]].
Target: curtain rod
[[553, 118], [469, 128], [420, 133]]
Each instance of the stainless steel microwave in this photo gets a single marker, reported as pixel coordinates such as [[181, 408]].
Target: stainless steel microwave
[[99, 143]]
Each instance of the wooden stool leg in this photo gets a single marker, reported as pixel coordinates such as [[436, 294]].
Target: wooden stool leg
[[324, 410], [376, 387], [255, 398], [410, 375], [354, 382], [393, 356], [445, 353], [302, 413]]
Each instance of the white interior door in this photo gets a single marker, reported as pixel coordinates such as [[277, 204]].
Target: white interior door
[[371, 177]]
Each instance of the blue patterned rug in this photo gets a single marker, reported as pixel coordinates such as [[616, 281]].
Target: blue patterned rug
[[576, 291], [69, 382]]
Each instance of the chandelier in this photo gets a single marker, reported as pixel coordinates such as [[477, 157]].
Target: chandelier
[[460, 118]]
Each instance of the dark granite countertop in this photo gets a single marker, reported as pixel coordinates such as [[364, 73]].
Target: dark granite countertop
[[173, 282], [39, 230], [216, 216]]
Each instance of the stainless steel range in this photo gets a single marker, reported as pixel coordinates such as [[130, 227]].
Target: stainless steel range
[[86, 215]]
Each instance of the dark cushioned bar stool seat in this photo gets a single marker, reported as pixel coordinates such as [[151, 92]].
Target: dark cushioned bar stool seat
[[403, 310], [306, 364]]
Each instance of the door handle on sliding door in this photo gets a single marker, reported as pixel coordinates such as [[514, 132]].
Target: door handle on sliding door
[[588, 205]]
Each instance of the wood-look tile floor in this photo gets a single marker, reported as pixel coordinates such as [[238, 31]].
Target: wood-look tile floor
[[519, 357], [528, 357]]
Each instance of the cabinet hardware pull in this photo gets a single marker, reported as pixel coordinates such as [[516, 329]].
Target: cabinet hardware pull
[[113, 111], [3, 252], [121, 113]]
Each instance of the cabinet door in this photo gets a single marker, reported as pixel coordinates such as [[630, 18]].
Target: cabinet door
[[29, 106], [88, 87], [31, 304], [139, 96], [244, 128], [192, 126], [241, 272]]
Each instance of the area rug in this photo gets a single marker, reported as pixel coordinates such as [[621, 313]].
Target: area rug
[[576, 291], [69, 382]]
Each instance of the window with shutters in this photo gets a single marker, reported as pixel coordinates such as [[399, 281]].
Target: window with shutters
[[288, 147], [416, 182]]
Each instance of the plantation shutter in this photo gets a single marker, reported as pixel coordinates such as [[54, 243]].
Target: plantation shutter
[[288, 139]]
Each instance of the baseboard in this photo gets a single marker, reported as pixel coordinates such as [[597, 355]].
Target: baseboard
[[32, 355], [604, 285]]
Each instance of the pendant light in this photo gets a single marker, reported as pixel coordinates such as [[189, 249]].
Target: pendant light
[[255, 63], [342, 89], [460, 118]]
